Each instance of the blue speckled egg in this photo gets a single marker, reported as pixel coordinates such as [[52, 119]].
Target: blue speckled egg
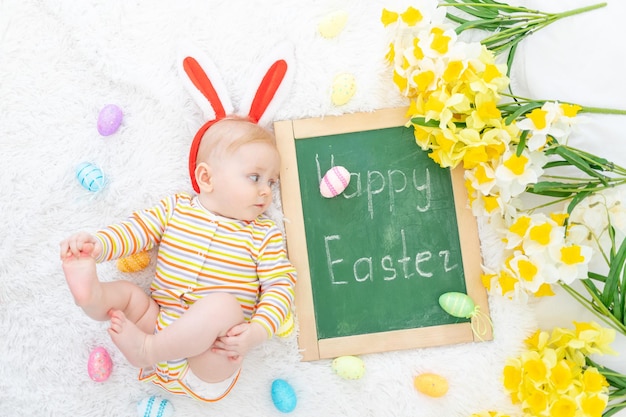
[[109, 119], [283, 396]]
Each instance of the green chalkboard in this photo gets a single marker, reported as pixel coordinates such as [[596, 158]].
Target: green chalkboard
[[373, 261], [382, 252]]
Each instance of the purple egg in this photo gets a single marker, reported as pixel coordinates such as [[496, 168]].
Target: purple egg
[[109, 119]]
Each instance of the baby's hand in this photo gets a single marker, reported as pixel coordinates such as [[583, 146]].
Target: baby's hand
[[240, 339], [80, 244]]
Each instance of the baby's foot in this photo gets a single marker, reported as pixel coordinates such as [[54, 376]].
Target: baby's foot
[[130, 339], [81, 277]]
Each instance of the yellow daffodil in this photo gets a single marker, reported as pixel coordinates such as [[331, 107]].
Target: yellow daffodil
[[564, 406], [551, 378], [561, 376], [593, 405], [595, 339]]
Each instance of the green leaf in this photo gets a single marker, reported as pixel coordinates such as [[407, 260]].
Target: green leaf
[[510, 58], [556, 194], [596, 276], [622, 294], [613, 277], [554, 164], [477, 10], [456, 19], [522, 143], [617, 305], [580, 196], [421, 121], [522, 110], [547, 186], [574, 159]]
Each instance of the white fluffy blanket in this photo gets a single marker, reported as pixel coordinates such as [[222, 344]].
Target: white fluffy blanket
[[61, 61]]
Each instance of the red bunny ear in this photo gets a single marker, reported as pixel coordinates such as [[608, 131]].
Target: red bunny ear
[[203, 81], [267, 90], [200, 80]]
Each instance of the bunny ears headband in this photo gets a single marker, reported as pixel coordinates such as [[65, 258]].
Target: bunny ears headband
[[259, 104]]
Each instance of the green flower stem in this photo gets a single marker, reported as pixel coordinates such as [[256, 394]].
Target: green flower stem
[[516, 22], [519, 101], [598, 309], [601, 110]]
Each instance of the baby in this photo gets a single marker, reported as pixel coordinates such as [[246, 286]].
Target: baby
[[223, 283]]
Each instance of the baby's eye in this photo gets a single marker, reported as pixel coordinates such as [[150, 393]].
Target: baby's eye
[[254, 177]]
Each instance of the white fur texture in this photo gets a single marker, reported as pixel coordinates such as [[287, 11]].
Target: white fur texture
[[61, 61]]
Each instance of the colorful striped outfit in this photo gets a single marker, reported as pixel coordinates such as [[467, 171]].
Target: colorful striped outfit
[[200, 253]]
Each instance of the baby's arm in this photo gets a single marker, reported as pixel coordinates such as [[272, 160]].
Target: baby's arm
[[277, 279], [81, 243]]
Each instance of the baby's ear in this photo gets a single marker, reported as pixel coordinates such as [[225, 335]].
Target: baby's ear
[[204, 177]]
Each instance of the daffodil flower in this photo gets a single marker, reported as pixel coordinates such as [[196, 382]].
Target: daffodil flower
[[516, 172]]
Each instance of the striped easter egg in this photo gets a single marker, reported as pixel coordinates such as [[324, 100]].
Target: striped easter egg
[[457, 304], [334, 182], [90, 177], [154, 406]]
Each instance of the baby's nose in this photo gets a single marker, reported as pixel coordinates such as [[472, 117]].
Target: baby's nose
[[264, 189]]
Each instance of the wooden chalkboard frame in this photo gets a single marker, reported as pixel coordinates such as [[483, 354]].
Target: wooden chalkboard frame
[[312, 348]]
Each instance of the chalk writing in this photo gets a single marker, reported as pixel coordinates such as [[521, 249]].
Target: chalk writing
[[422, 264], [395, 181]]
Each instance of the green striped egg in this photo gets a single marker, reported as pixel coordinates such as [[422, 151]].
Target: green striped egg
[[457, 304]]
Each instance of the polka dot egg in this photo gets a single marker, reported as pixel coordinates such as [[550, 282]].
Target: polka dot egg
[[343, 88], [348, 367]]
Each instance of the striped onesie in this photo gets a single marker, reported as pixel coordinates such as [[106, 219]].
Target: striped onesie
[[200, 253]]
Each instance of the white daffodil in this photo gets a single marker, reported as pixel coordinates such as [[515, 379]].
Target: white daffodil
[[571, 261], [515, 173], [543, 122], [533, 271], [543, 234]]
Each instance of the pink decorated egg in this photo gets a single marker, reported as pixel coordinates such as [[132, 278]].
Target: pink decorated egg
[[99, 365], [109, 119], [334, 181]]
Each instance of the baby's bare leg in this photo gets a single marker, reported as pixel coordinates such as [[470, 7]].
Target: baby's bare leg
[[98, 298], [191, 336]]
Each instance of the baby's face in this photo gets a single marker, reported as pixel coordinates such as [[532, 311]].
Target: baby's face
[[243, 181]]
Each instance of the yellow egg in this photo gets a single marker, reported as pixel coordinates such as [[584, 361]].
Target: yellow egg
[[287, 327], [343, 88], [348, 367], [430, 384], [134, 263], [333, 23]]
